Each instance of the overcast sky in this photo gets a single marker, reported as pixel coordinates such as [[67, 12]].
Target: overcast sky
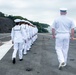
[[44, 11]]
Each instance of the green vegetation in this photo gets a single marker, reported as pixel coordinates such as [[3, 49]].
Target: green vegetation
[[41, 26], [1, 14]]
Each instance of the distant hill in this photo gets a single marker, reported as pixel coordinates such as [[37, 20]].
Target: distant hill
[[5, 25], [7, 22], [49, 29]]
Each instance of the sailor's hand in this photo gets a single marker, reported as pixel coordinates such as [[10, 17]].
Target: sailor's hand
[[72, 38], [53, 36]]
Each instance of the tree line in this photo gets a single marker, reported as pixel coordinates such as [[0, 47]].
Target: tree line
[[41, 26]]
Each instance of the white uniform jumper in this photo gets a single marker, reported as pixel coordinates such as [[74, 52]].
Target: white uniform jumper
[[18, 40], [62, 25]]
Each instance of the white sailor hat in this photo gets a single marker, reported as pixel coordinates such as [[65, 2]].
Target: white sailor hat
[[63, 9], [28, 22], [22, 21], [17, 20]]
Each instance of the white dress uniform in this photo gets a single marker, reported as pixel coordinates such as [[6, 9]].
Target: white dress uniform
[[27, 31], [62, 25], [30, 32], [23, 27], [34, 34], [18, 39], [37, 32]]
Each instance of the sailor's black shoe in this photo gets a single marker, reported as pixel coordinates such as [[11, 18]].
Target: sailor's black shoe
[[14, 60]]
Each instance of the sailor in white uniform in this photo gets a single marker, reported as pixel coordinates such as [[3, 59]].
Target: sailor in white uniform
[[18, 40], [28, 35], [23, 26], [62, 26]]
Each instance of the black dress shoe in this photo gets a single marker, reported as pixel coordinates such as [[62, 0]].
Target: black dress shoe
[[61, 65], [14, 61], [20, 59]]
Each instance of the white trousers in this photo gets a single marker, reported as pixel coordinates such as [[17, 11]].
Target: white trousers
[[18, 47], [62, 46], [28, 46], [25, 48]]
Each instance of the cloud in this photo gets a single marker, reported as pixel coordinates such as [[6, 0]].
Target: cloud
[[37, 10]]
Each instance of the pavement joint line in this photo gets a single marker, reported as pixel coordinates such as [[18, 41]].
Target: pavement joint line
[[3, 37], [5, 48]]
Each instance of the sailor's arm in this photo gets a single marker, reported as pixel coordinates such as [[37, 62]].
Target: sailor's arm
[[53, 32], [72, 33]]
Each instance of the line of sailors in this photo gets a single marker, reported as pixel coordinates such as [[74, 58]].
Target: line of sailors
[[23, 35]]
